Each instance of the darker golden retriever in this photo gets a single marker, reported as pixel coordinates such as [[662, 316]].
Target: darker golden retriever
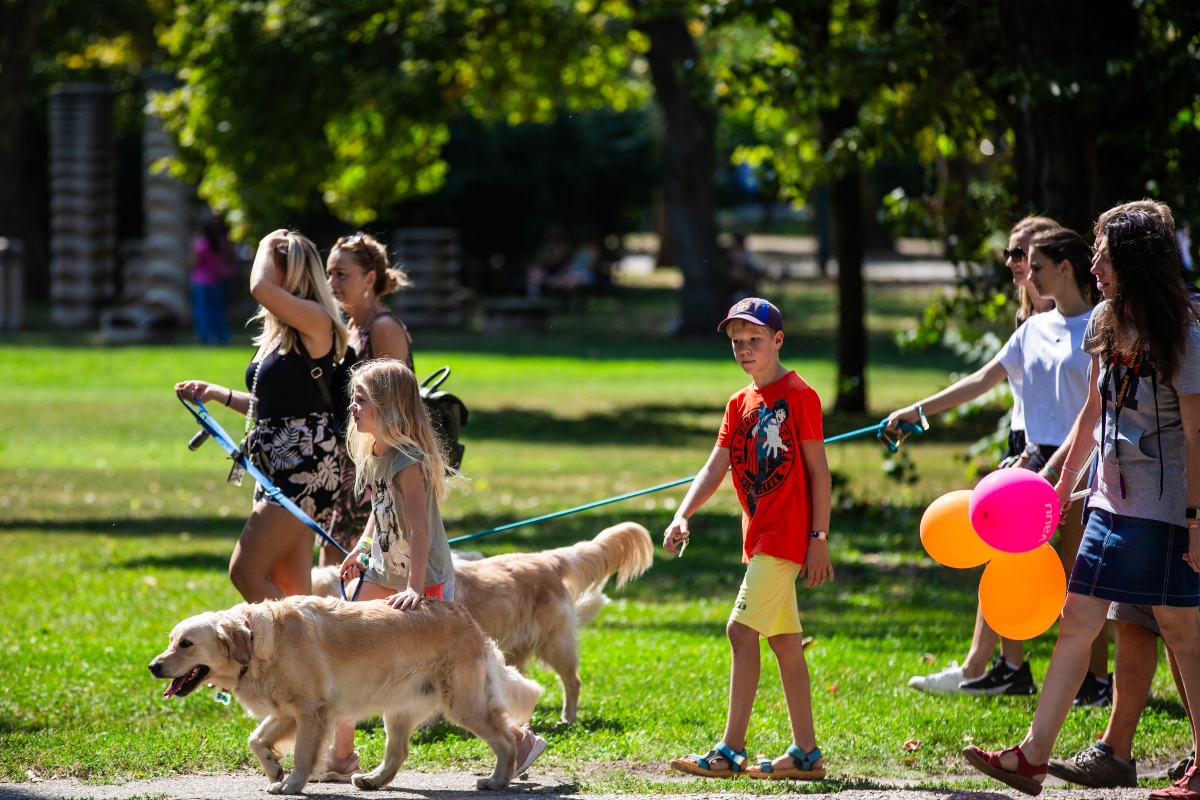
[[533, 604]]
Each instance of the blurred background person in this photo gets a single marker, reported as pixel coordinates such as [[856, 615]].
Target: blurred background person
[[214, 265]]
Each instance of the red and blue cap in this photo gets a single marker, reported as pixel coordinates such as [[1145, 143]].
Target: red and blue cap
[[754, 310]]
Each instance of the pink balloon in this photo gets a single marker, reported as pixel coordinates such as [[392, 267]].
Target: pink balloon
[[1014, 510]]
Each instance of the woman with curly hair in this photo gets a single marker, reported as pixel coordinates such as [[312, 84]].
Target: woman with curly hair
[[1142, 540]]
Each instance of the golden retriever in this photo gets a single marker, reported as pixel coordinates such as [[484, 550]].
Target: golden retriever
[[533, 604], [301, 663]]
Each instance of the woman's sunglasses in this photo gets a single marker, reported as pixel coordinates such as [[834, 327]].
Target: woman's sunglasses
[[1016, 254]]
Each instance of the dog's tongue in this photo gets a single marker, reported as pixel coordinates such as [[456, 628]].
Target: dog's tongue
[[178, 683]]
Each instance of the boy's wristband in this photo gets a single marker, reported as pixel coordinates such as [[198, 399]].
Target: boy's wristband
[[366, 543], [1053, 472]]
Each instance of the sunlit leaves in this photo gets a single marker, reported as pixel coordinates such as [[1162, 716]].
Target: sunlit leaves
[[290, 103]]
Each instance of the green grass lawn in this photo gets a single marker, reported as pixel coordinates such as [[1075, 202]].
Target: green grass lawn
[[111, 531]]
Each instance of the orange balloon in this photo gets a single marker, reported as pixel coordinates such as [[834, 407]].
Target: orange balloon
[[1022, 594], [948, 536]]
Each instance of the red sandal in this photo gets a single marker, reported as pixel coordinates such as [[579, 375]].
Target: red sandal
[[988, 762], [1178, 790]]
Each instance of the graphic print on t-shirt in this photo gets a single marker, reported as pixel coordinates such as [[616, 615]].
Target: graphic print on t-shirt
[[392, 546], [1113, 387], [763, 451]]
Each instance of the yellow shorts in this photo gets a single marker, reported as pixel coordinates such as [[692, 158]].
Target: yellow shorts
[[767, 599]]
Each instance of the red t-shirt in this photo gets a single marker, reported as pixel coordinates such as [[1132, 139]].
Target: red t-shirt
[[763, 430]]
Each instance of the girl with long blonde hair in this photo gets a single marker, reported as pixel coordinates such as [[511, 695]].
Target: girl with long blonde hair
[[291, 426], [402, 557]]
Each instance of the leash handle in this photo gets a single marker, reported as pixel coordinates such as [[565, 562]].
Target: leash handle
[[906, 429]]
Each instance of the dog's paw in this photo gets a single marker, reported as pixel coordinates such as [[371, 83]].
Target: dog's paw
[[364, 782], [491, 783], [285, 787]]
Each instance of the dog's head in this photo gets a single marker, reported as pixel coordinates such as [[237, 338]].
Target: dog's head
[[215, 646]]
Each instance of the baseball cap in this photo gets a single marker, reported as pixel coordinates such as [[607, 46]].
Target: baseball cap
[[754, 310]]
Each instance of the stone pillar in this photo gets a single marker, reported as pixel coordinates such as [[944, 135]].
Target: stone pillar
[[83, 223], [12, 284], [156, 302], [170, 212]]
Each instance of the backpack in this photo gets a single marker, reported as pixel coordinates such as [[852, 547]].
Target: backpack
[[446, 412]]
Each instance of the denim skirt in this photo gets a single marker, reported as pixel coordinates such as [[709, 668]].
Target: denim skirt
[[1133, 560]]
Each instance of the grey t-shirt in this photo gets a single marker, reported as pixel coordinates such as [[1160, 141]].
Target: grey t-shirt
[[1146, 433], [390, 549]]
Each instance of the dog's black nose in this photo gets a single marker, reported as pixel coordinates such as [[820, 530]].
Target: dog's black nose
[[156, 669]]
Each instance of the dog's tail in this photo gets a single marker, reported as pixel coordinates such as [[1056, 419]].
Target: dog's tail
[[512, 691], [625, 549]]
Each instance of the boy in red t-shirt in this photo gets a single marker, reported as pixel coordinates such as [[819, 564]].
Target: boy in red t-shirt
[[771, 437]]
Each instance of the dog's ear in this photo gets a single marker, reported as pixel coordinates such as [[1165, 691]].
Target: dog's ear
[[234, 632]]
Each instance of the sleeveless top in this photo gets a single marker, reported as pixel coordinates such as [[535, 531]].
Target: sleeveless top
[[286, 388], [365, 353]]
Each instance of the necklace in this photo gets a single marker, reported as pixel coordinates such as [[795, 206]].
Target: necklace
[[254, 383]]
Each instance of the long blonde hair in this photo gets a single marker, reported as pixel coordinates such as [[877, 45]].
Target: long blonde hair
[[395, 398], [303, 277]]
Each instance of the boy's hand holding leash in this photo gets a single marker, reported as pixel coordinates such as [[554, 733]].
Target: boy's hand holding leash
[[676, 537]]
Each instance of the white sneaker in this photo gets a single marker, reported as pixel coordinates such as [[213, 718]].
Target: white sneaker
[[944, 682]]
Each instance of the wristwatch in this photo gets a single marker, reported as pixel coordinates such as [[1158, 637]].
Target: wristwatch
[[1193, 516], [820, 536], [1031, 449]]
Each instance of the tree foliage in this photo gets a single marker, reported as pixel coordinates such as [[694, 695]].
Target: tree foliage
[[286, 105]]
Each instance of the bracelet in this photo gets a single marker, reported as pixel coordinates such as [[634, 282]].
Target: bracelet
[[1068, 469], [229, 399], [1053, 472], [366, 543]]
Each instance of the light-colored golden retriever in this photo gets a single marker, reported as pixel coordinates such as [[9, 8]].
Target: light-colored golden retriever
[[533, 604], [301, 663]]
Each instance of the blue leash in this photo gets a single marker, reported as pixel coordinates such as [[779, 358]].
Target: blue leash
[[212, 428], [879, 429]]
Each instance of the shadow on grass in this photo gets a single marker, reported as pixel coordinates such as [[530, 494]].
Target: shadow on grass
[[9, 724], [672, 425], [215, 562], [207, 527], [1167, 705]]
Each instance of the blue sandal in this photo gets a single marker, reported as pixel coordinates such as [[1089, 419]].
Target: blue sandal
[[700, 764], [804, 770]]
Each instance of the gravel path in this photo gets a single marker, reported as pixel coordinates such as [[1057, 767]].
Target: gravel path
[[451, 785]]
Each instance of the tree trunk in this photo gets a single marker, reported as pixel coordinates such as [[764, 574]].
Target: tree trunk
[[688, 165], [1064, 168], [847, 217], [20, 22]]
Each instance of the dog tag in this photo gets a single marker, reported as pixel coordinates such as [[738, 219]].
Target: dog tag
[[222, 697]]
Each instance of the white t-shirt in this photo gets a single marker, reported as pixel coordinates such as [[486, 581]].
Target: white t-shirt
[[1046, 352], [1017, 421]]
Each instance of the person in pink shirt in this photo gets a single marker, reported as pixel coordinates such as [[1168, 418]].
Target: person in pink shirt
[[213, 267]]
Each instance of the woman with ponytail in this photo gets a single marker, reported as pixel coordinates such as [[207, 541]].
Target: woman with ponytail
[[291, 424], [360, 276]]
